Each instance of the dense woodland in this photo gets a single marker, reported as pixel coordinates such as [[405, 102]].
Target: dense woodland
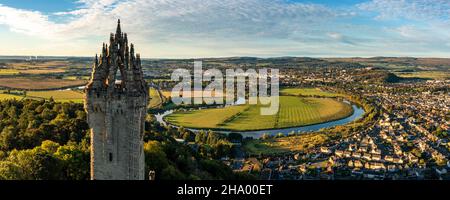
[[45, 140]]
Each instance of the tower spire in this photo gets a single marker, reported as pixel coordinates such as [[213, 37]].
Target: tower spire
[[118, 31]]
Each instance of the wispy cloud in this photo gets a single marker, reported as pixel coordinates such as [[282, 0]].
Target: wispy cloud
[[203, 28], [422, 10]]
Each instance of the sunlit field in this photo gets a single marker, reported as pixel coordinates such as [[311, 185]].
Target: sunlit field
[[307, 92], [294, 111], [156, 99], [437, 75], [57, 95]]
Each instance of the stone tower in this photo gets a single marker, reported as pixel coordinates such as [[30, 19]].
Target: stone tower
[[116, 103]]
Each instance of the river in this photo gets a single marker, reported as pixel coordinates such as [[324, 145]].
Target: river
[[358, 112]]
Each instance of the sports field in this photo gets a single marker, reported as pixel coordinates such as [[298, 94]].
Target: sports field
[[294, 111]]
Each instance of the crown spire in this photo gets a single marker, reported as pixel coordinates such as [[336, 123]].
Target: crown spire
[[118, 31]]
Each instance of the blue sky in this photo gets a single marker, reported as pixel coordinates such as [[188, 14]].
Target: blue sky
[[217, 28]]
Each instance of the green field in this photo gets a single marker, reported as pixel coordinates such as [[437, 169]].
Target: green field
[[57, 95], [307, 92], [437, 75], [67, 96], [294, 111]]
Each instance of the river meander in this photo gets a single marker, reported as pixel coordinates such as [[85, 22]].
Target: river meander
[[358, 112]]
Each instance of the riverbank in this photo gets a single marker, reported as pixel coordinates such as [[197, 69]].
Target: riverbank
[[293, 112], [358, 112]]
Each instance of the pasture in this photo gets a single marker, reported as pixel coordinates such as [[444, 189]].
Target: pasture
[[436, 75], [57, 95], [307, 92], [294, 111], [33, 67]]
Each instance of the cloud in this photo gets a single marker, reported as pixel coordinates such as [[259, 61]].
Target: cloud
[[163, 18], [422, 10], [336, 36], [420, 25], [208, 28], [196, 23], [27, 22], [340, 38]]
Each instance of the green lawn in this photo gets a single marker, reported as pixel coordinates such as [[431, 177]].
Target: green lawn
[[294, 111]]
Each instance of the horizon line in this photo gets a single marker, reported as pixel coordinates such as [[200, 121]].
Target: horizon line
[[222, 57]]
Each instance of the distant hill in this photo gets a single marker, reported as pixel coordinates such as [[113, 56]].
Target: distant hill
[[430, 63], [397, 64], [382, 76], [391, 78]]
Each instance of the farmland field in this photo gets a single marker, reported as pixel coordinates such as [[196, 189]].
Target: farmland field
[[437, 75], [57, 95], [166, 94], [294, 111], [48, 67], [38, 83], [156, 100], [307, 92], [8, 72]]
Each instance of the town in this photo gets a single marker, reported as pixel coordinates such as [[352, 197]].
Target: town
[[408, 140]]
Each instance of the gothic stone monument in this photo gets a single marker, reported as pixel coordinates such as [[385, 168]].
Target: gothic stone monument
[[116, 103]]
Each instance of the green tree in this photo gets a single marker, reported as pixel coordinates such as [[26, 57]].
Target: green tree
[[155, 157], [8, 138], [75, 161], [10, 171], [36, 164]]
